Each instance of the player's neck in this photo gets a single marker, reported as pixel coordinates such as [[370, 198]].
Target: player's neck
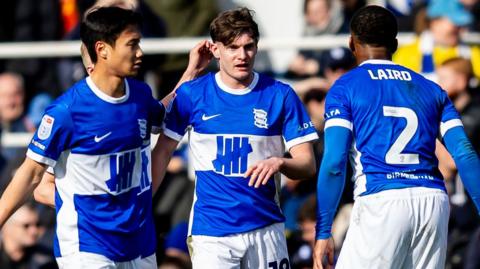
[[370, 53], [107, 83], [236, 84]]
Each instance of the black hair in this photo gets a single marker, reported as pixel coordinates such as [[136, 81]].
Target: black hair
[[375, 26], [106, 24]]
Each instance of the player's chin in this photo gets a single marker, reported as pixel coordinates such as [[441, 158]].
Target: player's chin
[[132, 73]]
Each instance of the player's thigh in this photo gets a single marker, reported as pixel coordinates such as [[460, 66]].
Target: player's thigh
[[379, 234], [85, 260], [430, 243], [216, 252], [267, 248]]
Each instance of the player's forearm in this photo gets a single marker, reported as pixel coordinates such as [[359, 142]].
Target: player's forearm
[[161, 155], [331, 178], [25, 180], [466, 160], [301, 166], [44, 193]]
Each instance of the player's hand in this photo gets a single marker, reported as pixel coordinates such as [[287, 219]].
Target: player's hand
[[260, 172], [323, 247], [199, 57]]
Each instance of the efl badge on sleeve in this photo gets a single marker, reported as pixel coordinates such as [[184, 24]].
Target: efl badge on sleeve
[[45, 128]]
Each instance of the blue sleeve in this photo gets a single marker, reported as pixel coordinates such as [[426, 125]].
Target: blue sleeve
[[178, 115], [331, 178], [297, 126], [157, 114], [54, 135], [466, 160]]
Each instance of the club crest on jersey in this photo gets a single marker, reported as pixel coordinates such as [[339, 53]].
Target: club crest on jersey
[[260, 118], [142, 124], [45, 128]]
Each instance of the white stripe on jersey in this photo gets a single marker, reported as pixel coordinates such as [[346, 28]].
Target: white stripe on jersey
[[204, 149], [359, 178], [338, 122], [67, 233], [300, 140], [39, 158], [173, 135], [445, 126]]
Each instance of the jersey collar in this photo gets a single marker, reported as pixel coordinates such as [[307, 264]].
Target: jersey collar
[[106, 97], [246, 90], [377, 61]]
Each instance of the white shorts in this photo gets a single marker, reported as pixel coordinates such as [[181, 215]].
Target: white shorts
[[404, 228], [86, 260], [264, 248]]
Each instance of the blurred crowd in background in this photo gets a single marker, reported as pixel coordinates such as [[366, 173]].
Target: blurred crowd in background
[[27, 86]]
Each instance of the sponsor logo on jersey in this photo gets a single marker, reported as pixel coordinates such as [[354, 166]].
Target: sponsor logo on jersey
[[38, 145], [45, 128], [260, 118], [205, 117], [100, 138], [305, 126], [142, 124], [232, 155]]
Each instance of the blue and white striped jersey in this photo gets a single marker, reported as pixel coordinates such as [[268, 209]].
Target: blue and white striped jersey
[[390, 110], [230, 131], [99, 147]]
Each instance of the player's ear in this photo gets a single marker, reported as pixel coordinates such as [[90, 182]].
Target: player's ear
[[351, 45], [214, 50], [101, 49]]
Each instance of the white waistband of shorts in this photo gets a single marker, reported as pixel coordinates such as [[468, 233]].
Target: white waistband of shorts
[[403, 193]]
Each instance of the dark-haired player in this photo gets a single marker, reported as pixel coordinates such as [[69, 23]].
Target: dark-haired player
[[97, 138], [388, 117], [241, 122]]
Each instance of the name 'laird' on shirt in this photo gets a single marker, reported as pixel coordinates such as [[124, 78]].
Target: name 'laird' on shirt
[[381, 74]]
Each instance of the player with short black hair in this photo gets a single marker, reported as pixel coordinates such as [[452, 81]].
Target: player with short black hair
[[386, 119], [96, 136]]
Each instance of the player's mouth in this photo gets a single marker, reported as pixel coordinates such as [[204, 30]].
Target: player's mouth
[[243, 66], [137, 64]]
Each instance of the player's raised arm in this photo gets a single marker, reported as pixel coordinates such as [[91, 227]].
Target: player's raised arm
[[199, 58], [21, 186]]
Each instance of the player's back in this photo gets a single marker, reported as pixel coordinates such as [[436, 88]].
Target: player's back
[[395, 115]]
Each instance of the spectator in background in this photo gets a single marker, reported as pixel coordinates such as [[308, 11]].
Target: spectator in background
[[322, 17], [441, 41], [456, 77], [19, 248], [12, 111], [36, 21], [12, 104], [335, 62]]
